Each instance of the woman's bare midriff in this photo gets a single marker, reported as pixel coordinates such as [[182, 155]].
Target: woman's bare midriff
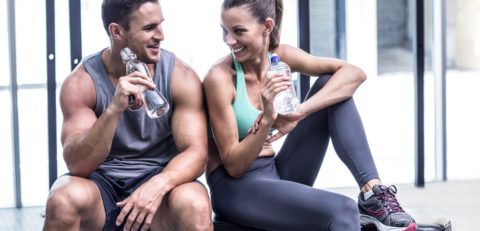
[[214, 159]]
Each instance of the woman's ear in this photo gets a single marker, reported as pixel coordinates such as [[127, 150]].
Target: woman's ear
[[269, 24]]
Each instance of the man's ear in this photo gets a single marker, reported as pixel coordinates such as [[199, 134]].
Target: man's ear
[[116, 31], [269, 24]]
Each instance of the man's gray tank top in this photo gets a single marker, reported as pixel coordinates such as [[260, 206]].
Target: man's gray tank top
[[139, 143]]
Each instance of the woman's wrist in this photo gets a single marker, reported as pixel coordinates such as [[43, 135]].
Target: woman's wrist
[[302, 110], [267, 121]]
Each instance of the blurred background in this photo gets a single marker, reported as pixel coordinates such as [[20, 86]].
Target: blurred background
[[419, 106]]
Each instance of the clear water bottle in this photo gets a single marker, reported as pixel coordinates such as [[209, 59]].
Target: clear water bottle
[[285, 102], [155, 103]]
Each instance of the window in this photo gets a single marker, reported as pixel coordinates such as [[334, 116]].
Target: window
[[385, 100], [32, 101], [6, 159], [463, 63]]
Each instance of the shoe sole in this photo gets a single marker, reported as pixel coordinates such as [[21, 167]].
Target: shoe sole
[[366, 220]]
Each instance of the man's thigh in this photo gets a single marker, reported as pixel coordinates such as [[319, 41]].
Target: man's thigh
[[186, 206]]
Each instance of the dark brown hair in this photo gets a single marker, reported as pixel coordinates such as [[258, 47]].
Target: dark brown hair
[[119, 11], [262, 9]]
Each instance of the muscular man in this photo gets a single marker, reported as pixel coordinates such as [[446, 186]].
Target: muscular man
[[128, 171]]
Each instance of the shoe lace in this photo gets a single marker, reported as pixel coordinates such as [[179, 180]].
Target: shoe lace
[[387, 196]]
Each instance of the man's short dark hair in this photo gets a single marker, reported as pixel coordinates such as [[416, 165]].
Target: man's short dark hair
[[118, 11]]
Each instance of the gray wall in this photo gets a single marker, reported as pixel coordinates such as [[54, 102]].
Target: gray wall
[[392, 23], [322, 28]]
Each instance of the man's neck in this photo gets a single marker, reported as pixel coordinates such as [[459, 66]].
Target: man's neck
[[113, 63]]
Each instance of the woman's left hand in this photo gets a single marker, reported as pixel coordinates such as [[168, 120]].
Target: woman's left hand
[[284, 124], [253, 129]]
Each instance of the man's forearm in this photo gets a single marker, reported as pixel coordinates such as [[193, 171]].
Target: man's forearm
[[184, 168]]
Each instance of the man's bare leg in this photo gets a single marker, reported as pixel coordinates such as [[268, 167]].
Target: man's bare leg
[[187, 207], [74, 203]]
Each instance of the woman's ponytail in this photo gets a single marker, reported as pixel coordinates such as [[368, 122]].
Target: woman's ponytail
[[275, 34]]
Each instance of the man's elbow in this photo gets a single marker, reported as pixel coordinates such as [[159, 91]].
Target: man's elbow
[[201, 160], [78, 171]]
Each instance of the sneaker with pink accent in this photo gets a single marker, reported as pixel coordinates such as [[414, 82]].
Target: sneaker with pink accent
[[383, 211]]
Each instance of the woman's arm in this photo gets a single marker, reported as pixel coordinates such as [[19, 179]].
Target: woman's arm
[[344, 82], [236, 155]]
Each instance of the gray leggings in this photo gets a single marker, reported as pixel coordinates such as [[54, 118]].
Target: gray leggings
[[276, 193]]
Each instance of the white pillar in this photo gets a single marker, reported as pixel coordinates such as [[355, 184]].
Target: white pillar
[[439, 68], [361, 33], [468, 34]]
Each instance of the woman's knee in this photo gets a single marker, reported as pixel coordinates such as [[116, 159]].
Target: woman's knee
[[351, 208], [346, 216]]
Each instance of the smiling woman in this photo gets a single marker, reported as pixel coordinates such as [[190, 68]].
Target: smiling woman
[[197, 41]]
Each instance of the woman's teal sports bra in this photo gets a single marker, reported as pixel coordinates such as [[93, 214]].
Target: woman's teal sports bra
[[245, 113]]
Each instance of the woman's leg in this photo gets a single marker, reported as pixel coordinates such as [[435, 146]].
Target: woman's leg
[[263, 202], [304, 149]]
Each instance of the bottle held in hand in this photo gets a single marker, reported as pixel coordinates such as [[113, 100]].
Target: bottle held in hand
[[285, 102], [155, 103]]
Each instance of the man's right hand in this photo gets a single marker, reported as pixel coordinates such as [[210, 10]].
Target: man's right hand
[[127, 85]]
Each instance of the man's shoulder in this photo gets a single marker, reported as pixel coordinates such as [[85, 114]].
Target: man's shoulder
[[185, 81], [182, 71], [78, 73], [92, 57], [90, 64], [78, 88], [167, 52], [79, 78]]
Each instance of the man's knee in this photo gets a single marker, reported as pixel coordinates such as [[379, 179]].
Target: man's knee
[[68, 198], [194, 205], [201, 214]]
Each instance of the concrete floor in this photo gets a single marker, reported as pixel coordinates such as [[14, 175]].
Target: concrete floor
[[457, 201]]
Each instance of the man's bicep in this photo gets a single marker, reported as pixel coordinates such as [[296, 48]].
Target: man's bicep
[[189, 125], [77, 122], [76, 104]]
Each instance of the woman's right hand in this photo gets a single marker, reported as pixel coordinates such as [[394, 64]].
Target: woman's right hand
[[274, 84]]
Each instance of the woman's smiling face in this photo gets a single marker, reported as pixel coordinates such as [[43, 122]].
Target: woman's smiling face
[[243, 34]]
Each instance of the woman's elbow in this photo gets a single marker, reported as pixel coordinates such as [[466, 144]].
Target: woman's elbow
[[234, 171]]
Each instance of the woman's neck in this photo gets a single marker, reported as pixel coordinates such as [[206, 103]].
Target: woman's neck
[[257, 67]]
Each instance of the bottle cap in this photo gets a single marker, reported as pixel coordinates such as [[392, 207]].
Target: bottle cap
[[274, 58]]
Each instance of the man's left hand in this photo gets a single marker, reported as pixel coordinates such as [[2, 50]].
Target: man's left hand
[[142, 206]]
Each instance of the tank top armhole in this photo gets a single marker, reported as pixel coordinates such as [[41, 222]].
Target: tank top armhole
[[89, 64], [173, 58]]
